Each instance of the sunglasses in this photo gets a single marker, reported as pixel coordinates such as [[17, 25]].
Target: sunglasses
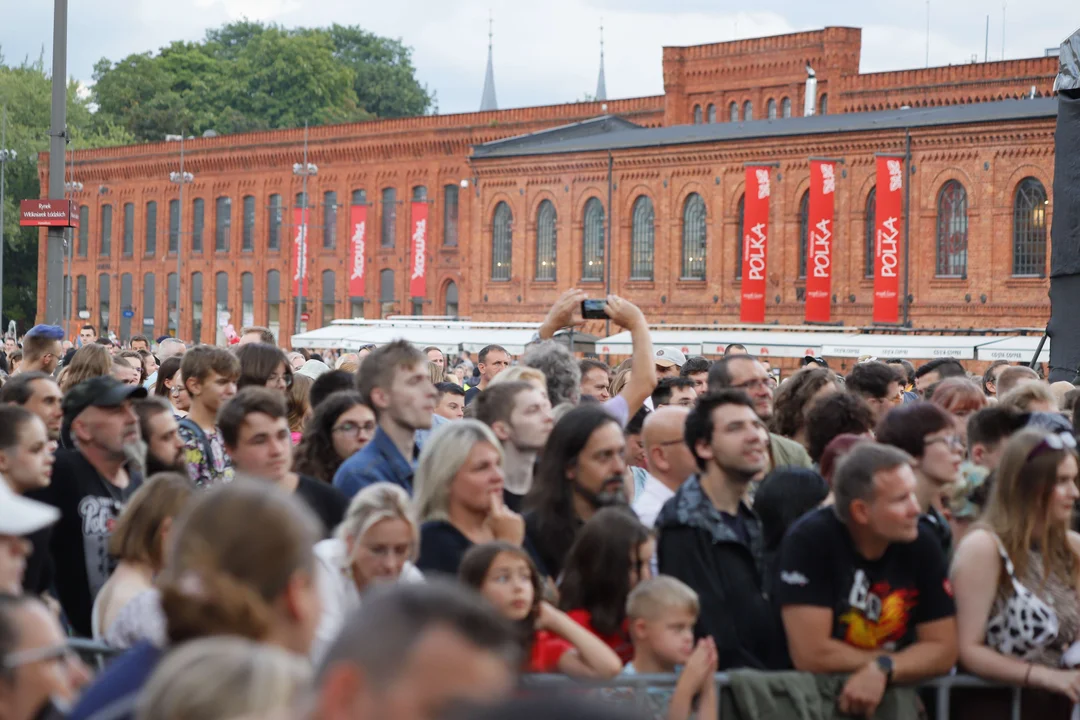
[[1055, 442], [43, 654]]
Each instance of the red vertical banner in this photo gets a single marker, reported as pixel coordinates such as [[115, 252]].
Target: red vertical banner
[[755, 242], [300, 252], [890, 185], [819, 240], [418, 278], [357, 249]]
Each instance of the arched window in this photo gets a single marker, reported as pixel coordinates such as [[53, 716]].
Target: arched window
[[247, 299], [247, 234], [740, 211], [329, 230], [197, 305], [389, 216], [149, 301], [952, 227], [1029, 228], [642, 239], [771, 108], [171, 291], [823, 105], [502, 241], [80, 292], [733, 111], [198, 222], [451, 309], [450, 215], [125, 304], [592, 249], [693, 238], [329, 294], [697, 114], [870, 232], [221, 305], [386, 293], [151, 228], [545, 241], [804, 231], [273, 302], [274, 211], [785, 107], [710, 114], [748, 110], [222, 223], [174, 225], [104, 296], [106, 230]]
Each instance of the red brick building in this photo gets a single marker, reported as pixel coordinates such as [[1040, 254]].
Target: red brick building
[[518, 200]]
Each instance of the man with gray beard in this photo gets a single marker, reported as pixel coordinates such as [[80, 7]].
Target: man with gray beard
[[90, 485]]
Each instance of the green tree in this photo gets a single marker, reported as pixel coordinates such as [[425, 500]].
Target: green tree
[[386, 82], [26, 91]]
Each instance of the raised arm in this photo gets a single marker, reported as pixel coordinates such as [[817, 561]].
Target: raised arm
[[643, 378], [590, 658], [562, 313]]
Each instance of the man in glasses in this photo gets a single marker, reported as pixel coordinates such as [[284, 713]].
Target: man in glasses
[[743, 372], [928, 434], [39, 674], [668, 459]]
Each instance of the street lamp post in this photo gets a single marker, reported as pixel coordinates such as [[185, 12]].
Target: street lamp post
[[303, 170], [180, 178], [6, 156]]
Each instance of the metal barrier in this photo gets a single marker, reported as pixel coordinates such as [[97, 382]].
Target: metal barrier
[[640, 684]]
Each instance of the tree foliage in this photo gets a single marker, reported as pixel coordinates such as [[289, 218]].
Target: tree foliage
[[26, 91], [250, 76]]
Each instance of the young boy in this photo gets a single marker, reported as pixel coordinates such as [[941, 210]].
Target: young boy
[[661, 613], [210, 376]]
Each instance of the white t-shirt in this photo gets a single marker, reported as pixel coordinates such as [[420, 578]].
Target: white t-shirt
[[650, 499]]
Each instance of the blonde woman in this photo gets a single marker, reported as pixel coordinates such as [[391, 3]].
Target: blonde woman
[[222, 678], [459, 496], [436, 373], [89, 361], [376, 543], [522, 373]]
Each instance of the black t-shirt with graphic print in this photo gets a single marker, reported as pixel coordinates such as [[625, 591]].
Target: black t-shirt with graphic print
[[876, 604], [89, 507]]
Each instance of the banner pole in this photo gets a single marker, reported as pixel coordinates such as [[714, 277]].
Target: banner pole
[[907, 226]]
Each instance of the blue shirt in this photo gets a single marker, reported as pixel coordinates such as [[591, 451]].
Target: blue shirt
[[378, 461], [115, 692]]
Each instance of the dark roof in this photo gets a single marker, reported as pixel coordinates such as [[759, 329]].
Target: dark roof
[[549, 142], [584, 130]]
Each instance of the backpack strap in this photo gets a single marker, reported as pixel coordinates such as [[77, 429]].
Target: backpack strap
[[204, 442]]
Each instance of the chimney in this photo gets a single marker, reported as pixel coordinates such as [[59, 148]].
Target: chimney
[[810, 106]]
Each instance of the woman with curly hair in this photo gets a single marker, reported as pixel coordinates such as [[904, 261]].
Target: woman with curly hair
[[342, 425], [795, 397]]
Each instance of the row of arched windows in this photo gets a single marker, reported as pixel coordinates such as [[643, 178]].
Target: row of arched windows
[[1029, 241], [772, 110]]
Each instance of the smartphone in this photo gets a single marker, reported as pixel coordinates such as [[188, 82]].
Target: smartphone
[[593, 310]]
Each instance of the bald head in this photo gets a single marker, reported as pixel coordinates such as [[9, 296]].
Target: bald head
[[669, 458], [169, 348]]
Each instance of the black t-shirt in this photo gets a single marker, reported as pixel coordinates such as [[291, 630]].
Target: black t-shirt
[[442, 546], [471, 394], [327, 502], [513, 501], [89, 507], [876, 604]]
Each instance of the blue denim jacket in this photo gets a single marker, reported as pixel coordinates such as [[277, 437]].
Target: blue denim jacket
[[378, 461]]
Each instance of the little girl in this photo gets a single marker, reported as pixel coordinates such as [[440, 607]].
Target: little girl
[[507, 577]]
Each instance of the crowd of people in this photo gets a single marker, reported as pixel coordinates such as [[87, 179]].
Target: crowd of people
[[358, 535]]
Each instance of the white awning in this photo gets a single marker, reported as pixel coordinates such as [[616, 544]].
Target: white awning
[[448, 336], [714, 342], [1019, 348], [688, 342], [912, 347]]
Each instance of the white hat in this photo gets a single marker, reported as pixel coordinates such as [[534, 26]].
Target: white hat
[[21, 516], [313, 369], [669, 357]]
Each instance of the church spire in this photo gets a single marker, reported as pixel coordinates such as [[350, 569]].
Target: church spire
[[601, 84], [488, 101]]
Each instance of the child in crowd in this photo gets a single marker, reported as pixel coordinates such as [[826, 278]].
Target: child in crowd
[[661, 614], [507, 577]]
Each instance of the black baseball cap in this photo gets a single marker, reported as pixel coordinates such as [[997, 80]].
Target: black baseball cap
[[105, 391], [811, 360]]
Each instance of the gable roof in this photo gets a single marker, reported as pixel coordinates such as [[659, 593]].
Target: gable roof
[[579, 131], [549, 142]]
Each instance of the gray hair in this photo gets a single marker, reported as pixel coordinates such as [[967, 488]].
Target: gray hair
[[170, 347], [559, 367], [444, 454], [372, 505], [854, 476], [218, 678]]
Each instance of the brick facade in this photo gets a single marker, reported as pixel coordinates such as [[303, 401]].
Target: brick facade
[[989, 160]]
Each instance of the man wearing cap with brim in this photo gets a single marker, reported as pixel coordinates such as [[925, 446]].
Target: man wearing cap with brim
[[90, 485], [668, 362], [19, 517]]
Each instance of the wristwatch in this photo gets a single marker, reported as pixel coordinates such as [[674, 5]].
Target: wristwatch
[[885, 665]]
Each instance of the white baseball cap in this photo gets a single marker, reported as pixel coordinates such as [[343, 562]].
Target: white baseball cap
[[21, 516], [669, 357]]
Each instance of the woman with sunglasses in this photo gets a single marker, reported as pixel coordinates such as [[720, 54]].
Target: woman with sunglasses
[[341, 426], [1015, 579]]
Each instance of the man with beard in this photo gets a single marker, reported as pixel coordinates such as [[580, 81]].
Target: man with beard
[[160, 433], [38, 393], [710, 538], [743, 372], [583, 469], [520, 416], [90, 485]]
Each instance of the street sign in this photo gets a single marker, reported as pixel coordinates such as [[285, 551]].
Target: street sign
[[305, 316], [48, 213], [129, 313]]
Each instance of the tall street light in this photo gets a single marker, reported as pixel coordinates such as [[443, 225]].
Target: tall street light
[[6, 156], [180, 178], [303, 170]]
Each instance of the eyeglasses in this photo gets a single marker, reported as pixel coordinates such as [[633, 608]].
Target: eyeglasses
[[952, 441], [1052, 442], [351, 428], [33, 655], [175, 392], [276, 378]]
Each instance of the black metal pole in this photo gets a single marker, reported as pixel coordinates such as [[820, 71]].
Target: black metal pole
[[607, 252], [54, 249], [907, 228]]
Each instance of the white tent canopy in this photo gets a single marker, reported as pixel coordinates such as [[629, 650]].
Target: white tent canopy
[[714, 342], [922, 347], [450, 336], [1020, 348]]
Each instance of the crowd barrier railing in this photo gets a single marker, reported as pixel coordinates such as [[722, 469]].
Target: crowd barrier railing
[[941, 687]]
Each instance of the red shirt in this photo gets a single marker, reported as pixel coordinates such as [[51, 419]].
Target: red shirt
[[548, 648]]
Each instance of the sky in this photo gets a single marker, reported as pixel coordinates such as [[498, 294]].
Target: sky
[[548, 52]]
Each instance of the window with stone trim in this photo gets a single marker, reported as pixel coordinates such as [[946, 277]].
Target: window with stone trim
[[389, 216], [330, 208], [247, 237], [693, 238], [952, 229], [733, 112], [785, 107], [450, 215], [222, 223], [748, 110], [642, 239], [151, 228], [710, 114], [198, 222], [771, 109], [697, 115], [592, 247], [451, 305], [502, 241], [106, 230], [274, 217], [870, 233], [174, 225], [127, 244], [804, 231], [1029, 228], [740, 211], [546, 220]]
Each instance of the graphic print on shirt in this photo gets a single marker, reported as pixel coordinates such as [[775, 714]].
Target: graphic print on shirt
[[99, 516], [878, 615]]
